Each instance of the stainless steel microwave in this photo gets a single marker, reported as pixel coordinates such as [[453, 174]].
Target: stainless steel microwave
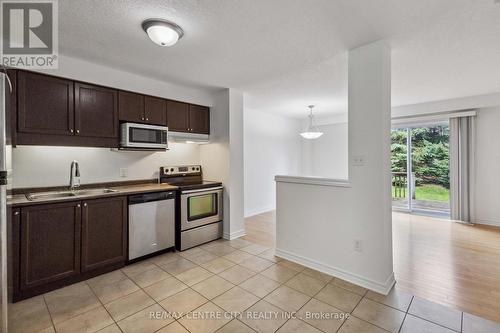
[[143, 136]]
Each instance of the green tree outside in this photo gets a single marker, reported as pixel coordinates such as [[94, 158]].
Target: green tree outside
[[430, 158]]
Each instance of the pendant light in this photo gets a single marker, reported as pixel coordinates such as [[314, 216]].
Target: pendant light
[[311, 132]]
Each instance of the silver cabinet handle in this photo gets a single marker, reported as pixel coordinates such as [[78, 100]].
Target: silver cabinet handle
[[147, 118], [77, 131], [85, 205], [16, 213], [78, 205], [71, 130]]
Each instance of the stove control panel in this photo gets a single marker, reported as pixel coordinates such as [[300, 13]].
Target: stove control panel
[[180, 170]]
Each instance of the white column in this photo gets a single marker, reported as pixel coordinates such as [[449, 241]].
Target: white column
[[222, 158], [369, 148], [236, 166], [344, 228]]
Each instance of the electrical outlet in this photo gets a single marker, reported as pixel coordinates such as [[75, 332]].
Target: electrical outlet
[[358, 245], [123, 172], [358, 160]]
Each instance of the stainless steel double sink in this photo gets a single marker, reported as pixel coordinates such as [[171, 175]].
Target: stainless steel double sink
[[68, 194]]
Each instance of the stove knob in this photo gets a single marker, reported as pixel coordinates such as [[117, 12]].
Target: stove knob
[[197, 169], [192, 168], [172, 170]]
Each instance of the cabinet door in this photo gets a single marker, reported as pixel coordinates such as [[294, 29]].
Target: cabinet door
[[104, 232], [199, 119], [155, 110], [130, 107], [177, 116], [96, 111], [45, 104], [50, 243]]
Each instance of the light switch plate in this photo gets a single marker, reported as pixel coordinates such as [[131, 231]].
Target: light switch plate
[[358, 245], [358, 160]]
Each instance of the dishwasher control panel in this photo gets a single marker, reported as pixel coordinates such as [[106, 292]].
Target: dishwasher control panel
[[148, 197]]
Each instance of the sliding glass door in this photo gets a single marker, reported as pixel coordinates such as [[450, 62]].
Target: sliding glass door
[[400, 168], [420, 169]]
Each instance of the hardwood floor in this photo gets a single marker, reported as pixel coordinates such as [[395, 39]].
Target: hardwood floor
[[261, 228], [449, 263]]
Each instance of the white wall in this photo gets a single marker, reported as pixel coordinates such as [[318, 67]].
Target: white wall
[[272, 146], [318, 224], [327, 156], [36, 166], [471, 102]]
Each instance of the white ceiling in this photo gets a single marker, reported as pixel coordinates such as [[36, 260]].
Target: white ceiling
[[286, 54]]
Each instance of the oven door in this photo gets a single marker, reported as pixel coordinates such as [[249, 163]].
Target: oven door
[[200, 207], [144, 136]]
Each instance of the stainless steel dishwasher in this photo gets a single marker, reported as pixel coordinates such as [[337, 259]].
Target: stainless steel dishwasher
[[151, 219]]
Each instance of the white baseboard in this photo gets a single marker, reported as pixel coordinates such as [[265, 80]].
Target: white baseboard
[[234, 235], [379, 287], [258, 211], [487, 222]]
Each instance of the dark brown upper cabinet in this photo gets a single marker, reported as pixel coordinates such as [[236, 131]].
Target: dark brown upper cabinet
[[177, 116], [52, 111], [96, 111], [104, 232], [183, 117], [155, 110], [130, 107], [199, 119], [45, 104], [49, 243], [139, 108]]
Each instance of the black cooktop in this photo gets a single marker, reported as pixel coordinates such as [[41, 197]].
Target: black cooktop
[[196, 185], [186, 177]]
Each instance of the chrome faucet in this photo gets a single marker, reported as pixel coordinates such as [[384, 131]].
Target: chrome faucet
[[74, 178]]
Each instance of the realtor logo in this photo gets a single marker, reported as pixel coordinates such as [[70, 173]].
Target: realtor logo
[[29, 34]]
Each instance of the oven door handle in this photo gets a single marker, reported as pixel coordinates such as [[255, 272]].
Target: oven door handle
[[203, 190]]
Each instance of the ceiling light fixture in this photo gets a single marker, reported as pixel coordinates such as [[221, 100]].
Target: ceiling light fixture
[[311, 132], [162, 32]]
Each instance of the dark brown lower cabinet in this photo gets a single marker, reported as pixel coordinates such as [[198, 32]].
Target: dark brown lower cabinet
[[104, 232], [54, 245], [50, 243]]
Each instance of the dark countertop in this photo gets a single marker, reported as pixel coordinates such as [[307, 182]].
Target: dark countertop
[[19, 199]]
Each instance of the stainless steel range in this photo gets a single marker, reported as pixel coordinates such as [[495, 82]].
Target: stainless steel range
[[199, 205]]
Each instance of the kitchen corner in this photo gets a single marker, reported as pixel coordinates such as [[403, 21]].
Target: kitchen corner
[[101, 178]]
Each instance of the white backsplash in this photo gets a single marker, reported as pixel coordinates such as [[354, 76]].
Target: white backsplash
[[38, 166]]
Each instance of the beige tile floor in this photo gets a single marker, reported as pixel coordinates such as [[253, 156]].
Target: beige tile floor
[[231, 286]]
